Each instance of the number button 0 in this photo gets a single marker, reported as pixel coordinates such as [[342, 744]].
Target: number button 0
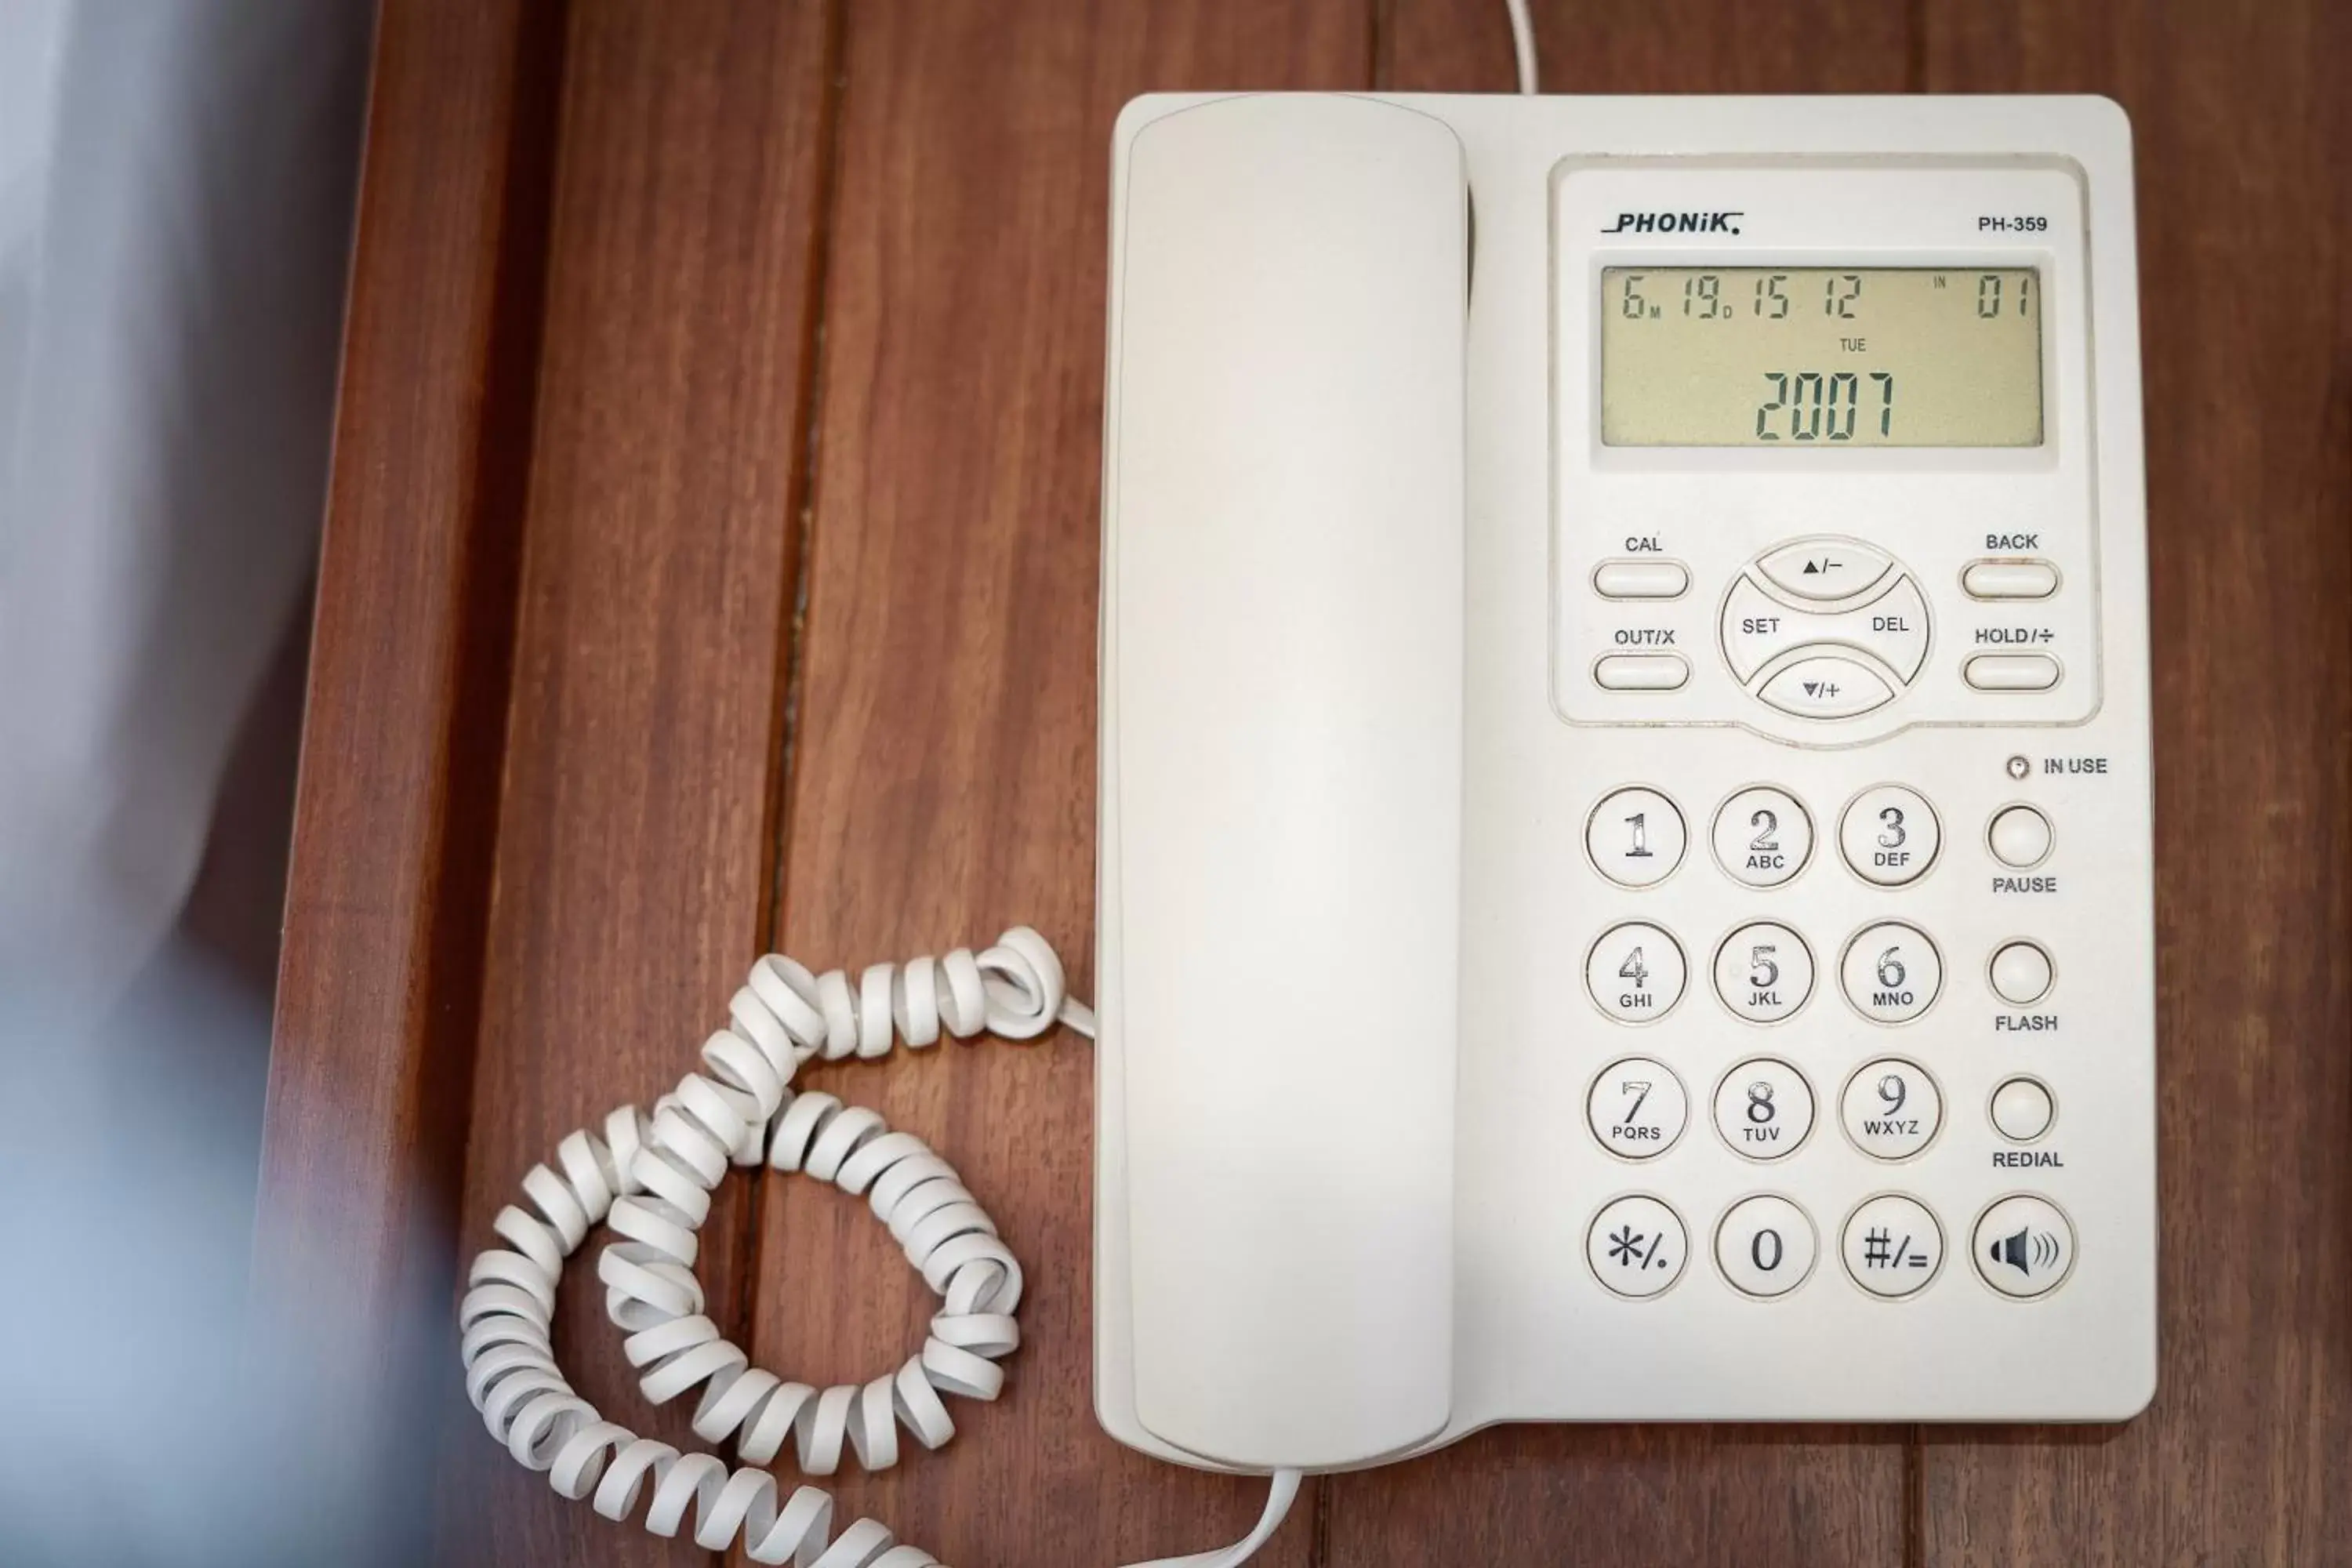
[[1764, 1109], [1891, 1108], [1634, 972], [1892, 973], [1890, 836], [1764, 972], [1763, 837], [1635, 838], [1765, 1245]]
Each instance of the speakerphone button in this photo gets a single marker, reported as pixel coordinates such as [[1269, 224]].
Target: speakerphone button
[[1825, 568], [1656, 579], [2023, 1246], [2011, 672], [1824, 686], [2009, 580], [1640, 672]]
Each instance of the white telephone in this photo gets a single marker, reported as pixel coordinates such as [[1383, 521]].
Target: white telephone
[[1625, 882]]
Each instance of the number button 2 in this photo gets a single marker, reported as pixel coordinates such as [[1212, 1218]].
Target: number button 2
[[1762, 836]]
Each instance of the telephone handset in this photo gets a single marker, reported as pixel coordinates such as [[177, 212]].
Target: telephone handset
[[1625, 882]]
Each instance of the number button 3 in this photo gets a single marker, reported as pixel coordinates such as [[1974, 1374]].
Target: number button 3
[[1890, 836], [1635, 838]]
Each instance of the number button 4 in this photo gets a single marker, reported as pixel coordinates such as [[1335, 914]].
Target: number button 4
[[1636, 971]]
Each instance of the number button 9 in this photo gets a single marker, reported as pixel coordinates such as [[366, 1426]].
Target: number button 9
[[1891, 1108]]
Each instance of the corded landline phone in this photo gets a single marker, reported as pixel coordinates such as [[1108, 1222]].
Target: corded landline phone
[[1625, 882]]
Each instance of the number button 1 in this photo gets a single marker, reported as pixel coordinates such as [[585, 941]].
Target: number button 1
[[1766, 1246], [1635, 838]]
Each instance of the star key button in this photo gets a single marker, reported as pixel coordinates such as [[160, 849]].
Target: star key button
[[1636, 1246]]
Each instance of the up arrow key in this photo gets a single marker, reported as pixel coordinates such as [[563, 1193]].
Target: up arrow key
[[1819, 569]]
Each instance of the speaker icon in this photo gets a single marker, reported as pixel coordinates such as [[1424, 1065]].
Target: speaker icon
[[2028, 1250]]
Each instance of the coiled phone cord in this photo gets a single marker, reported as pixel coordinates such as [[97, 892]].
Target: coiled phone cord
[[651, 1179]]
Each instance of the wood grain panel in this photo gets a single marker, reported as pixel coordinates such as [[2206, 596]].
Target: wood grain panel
[[632, 878], [380, 972], [943, 763], [1622, 1496], [2244, 149]]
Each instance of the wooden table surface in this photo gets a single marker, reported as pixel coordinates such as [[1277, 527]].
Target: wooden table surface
[[711, 567]]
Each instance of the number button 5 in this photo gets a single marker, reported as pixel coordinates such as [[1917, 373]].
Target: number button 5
[[1764, 972]]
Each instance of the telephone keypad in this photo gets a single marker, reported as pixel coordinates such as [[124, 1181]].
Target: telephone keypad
[[1890, 1108], [1764, 1109], [1766, 1246], [1636, 971], [1763, 837], [1635, 836], [1892, 972]]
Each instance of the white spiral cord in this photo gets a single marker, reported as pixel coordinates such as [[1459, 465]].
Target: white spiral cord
[[651, 1178]]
